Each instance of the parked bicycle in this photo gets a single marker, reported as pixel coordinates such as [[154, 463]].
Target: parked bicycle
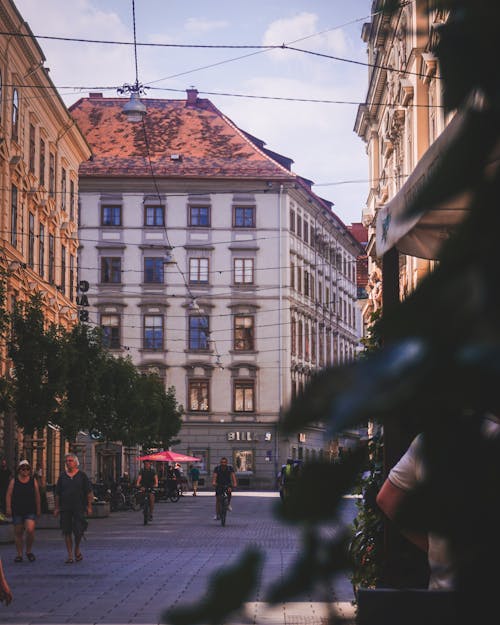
[[125, 498], [168, 490]]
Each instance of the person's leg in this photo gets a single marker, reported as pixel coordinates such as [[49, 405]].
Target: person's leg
[[78, 553], [67, 530], [29, 526], [18, 539], [68, 539], [151, 503], [217, 505], [79, 528]]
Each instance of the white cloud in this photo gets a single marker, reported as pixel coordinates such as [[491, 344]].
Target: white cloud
[[299, 29]]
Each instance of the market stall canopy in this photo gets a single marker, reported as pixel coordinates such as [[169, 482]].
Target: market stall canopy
[[421, 216], [169, 456]]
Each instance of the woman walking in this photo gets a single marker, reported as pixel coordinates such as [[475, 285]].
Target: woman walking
[[23, 504]]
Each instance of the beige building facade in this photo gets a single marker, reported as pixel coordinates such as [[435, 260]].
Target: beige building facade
[[41, 149], [401, 118]]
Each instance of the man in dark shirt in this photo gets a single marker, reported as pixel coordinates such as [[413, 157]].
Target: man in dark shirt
[[73, 498], [148, 479], [223, 477]]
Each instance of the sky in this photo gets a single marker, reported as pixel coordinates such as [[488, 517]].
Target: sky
[[318, 136]]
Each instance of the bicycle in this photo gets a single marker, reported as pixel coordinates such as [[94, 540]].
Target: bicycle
[[172, 492], [146, 508], [223, 505]]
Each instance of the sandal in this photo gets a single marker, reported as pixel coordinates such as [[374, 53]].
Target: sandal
[[69, 561], [18, 559], [31, 557], [78, 557]]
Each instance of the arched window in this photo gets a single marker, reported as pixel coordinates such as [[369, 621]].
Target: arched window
[[15, 114]]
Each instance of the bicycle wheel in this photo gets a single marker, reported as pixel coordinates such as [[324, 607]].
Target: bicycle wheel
[[118, 502], [174, 496], [135, 503], [223, 510]]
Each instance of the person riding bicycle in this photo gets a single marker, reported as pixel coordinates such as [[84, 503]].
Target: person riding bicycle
[[223, 477], [148, 479]]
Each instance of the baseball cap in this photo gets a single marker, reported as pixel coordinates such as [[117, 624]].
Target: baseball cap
[[23, 463]]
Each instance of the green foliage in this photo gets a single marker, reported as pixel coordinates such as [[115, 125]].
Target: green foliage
[[305, 501], [85, 359], [366, 547], [39, 366], [69, 378], [228, 589]]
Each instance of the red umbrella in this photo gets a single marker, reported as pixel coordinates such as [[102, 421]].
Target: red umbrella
[[169, 456]]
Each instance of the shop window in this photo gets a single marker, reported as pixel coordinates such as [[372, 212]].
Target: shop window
[[243, 460]]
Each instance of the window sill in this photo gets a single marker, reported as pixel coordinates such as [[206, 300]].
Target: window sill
[[246, 352], [152, 350]]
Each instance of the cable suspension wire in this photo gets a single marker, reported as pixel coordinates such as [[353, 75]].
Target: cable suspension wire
[[135, 44]]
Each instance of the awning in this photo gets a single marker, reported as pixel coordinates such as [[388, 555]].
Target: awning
[[422, 230]]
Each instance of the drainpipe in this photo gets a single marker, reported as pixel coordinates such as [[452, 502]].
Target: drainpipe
[[280, 320]]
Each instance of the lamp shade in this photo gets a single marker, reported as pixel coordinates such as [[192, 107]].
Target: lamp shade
[[134, 109]]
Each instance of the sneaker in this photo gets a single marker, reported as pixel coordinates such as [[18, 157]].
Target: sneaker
[[216, 518]]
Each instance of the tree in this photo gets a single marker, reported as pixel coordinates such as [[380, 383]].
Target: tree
[[38, 362], [85, 358]]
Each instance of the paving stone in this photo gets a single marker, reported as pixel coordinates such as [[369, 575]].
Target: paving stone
[[131, 573]]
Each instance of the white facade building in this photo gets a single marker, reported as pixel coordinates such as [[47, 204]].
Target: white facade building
[[214, 265]]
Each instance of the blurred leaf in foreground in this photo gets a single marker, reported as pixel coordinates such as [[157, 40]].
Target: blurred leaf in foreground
[[228, 590]]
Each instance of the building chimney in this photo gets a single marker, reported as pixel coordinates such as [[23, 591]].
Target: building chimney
[[192, 96], [94, 95]]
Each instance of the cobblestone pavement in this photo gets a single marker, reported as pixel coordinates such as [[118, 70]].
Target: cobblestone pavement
[[131, 573]]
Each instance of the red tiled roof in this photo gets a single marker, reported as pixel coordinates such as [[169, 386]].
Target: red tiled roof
[[208, 143]]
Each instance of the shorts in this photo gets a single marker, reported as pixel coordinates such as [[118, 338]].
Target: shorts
[[19, 519], [73, 522]]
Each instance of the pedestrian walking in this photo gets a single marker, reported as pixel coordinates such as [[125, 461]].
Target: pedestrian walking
[[73, 498], [5, 477], [5, 592], [23, 505], [194, 475]]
